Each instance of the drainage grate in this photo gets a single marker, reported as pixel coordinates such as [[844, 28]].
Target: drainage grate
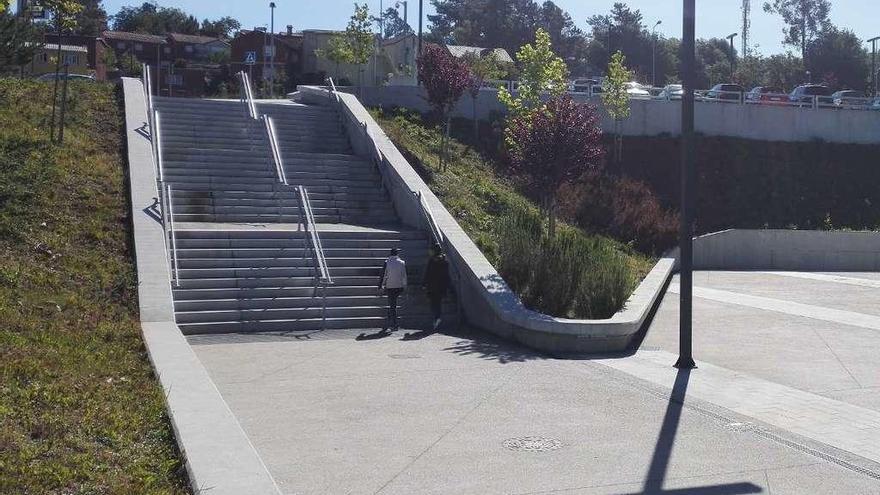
[[533, 444], [404, 356]]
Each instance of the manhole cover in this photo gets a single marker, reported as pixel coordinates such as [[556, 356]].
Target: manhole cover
[[533, 444], [404, 356]]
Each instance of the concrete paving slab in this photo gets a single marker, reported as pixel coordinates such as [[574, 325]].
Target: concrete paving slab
[[469, 414]]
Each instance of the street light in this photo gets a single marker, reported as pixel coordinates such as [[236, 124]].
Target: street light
[[654, 54], [272, 52], [732, 54], [686, 251], [873, 42]]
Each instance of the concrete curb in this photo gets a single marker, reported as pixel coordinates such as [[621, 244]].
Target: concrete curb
[[487, 300], [220, 458]]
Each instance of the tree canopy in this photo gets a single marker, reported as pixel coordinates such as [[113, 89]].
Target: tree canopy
[[804, 20]]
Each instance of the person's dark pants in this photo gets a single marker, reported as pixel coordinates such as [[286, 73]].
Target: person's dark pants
[[436, 304], [393, 294]]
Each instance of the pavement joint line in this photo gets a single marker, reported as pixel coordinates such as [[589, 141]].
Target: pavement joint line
[[786, 307], [821, 277], [722, 387], [452, 428], [833, 353]]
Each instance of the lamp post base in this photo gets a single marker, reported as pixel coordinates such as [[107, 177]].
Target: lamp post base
[[684, 363]]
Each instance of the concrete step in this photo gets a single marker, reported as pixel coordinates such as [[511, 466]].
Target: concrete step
[[272, 314], [289, 262], [270, 292], [272, 272], [274, 190], [295, 252], [291, 200], [415, 322], [183, 208], [271, 282], [307, 302], [326, 235], [280, 218], [407, 246]]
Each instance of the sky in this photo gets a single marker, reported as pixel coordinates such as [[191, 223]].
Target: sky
[[715, 18]]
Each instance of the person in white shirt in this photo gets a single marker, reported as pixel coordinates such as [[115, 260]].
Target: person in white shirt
[[393, 281]]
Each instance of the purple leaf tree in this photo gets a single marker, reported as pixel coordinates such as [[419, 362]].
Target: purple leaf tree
[[445, 79], [557, 145]]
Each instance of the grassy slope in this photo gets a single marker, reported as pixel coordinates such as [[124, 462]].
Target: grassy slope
[[471, 189], [80, 410]]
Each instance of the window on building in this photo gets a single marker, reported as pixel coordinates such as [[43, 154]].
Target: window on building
[[138, 47], [269, 51], [71, 59], [44, 57]]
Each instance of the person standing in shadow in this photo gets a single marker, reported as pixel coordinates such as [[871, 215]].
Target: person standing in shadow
[[437, 282], [393, 281]]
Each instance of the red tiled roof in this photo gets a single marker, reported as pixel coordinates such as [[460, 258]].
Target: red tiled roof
[[140, 37]]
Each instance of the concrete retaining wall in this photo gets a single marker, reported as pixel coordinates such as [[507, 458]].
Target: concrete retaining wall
[[793, 250], [653, 117], [487, 301], [220, 458]]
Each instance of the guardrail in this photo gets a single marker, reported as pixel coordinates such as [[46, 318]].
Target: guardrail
[[436, 233], [246, 95], [275, 149]]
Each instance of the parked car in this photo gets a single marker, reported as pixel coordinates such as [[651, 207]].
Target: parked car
[[635, 90], [876, 105], [671, 92], [805, 94], [583, 85], [726, 92], [850, 97], [51, 76], [767, 94]]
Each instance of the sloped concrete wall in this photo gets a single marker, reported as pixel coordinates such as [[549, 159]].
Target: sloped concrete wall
[[487, 301]]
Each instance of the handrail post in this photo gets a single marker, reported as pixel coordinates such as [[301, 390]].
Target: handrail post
[[275, 149]]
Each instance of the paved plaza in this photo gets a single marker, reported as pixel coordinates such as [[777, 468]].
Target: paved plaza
[[784, 402]]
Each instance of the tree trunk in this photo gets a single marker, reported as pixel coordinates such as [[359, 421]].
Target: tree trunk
[[551, 216], [446, 145], [57, 68], [476, 122]]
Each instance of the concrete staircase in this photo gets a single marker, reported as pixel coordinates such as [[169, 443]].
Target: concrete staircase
[[243, 260]]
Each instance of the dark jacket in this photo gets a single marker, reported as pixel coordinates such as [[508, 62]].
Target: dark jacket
[[437, 279]]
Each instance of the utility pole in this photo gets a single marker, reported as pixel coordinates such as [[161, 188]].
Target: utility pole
[[732, 54], [420, 27], [746, 27], [686, 298], [654, 54], [272, 51], [873, 42]]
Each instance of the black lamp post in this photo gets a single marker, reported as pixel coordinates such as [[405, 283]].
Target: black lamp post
[[654, 54], [688, 76], [732, 54], [272, 51]]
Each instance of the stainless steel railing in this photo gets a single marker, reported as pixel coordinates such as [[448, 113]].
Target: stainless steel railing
[[275, 149], [170, 200], [428, 215], [313, 243], [247, 95]]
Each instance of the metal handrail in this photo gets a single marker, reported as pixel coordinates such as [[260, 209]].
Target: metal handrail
[[170, 200], [275, 149], [248, 97], [436, 233], [334, 93], [311, 228], [157, 145]]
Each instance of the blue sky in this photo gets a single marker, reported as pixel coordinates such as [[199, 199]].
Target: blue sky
[[718, 18]]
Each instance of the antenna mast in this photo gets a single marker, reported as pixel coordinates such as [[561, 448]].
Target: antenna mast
[[746, 27]]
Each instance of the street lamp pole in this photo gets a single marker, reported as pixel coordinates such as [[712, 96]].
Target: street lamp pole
[[873, 42], [272, 51], [732, 54], [420, 26], [654, 54], [688, 76]]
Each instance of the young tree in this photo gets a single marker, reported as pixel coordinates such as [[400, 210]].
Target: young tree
[[541, 71], [337, 51], [392, 24], [65, 12], [558, 145], [616, 99], [482, 68], [19, 42], [445, 79], [804, 19], [359, 35]]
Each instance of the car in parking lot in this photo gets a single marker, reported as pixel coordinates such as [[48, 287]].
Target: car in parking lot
[[725, 92], [876, 105], [767, 94], [671, 92], [51, 76], [636, 90], [850, 97], [583, 85], [807, 93]]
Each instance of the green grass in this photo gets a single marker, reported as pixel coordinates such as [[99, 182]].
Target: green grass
[[481, 198], [80, 409]]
